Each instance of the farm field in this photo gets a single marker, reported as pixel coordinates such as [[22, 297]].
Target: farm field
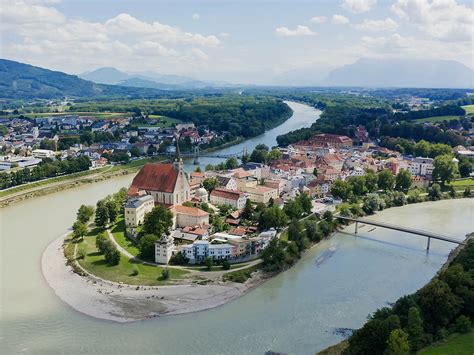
[[469, 109], [436, 119]]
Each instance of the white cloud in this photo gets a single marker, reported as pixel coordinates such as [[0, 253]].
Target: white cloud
[[441, 19], [318, 19], [196, 16], [200, 54], [298, 31], [339, 20], [36, 31], [377, 25], [358, 6]]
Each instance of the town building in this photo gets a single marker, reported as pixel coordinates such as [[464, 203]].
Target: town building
[[164, 248], [421, 166], [136, 209], [184, 216], [167, 183], [200, 250], [236, 199]]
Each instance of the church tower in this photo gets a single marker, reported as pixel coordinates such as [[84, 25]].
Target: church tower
[[178, 161]]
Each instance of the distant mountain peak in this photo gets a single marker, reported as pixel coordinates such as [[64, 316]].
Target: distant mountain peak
[[427, 73]]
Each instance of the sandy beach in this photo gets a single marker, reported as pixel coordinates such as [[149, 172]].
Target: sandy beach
[[124, 303]]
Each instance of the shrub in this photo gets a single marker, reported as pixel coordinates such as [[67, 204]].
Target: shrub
[[81, 253], [226, 265], [178, 259], [165, 274], [463, 324], [112, 256], [134, 271], [209, 262]]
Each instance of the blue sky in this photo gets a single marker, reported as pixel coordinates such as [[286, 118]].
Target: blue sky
[[236, 41]]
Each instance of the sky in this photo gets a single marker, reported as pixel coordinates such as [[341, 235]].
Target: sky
[[246, 41]]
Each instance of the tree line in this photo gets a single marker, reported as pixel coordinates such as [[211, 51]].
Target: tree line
[[47, 168], [442, 307]]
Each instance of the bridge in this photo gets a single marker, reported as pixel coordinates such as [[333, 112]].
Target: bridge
[[196, 154], [422, 233]]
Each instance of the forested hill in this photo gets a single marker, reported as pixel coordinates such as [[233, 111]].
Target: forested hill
[[239, 115], [24, 81]]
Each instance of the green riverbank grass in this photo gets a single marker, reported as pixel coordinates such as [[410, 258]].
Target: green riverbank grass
[[148, 275], [458, 344]]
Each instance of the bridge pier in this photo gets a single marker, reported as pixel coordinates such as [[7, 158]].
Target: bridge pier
[[428, 244], [356, 226]]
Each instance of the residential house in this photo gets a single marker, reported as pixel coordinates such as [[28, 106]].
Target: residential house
[[221, 196], [136, 209]]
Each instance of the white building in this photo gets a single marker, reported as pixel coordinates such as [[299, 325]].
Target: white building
[[185, 216], [136, 208], [164, 249], [421, 166], [228, 197], [43, 153], [200, 250]]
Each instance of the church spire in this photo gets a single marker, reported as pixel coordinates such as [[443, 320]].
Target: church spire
[[178, 161]]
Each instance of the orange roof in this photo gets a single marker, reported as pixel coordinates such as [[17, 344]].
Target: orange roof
[[227, 194], [191, 211], [155, 177]]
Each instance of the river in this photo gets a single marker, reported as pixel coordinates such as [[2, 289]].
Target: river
[[296, 312]]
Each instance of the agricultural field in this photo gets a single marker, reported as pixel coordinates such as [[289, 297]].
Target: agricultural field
[[97, 115], [162, 122], [436, 119], [469, 109]]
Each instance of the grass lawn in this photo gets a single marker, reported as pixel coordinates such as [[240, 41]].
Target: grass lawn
[[467, 182], [119, 235], [149, 275], [437, 119], [241, 275], [469, 109], [458, 344]]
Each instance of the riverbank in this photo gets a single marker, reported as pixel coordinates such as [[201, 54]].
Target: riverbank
[[49, 186], [127, 303]]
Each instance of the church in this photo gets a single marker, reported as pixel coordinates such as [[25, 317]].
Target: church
[[167, 183]]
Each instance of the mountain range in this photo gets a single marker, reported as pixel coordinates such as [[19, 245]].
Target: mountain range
[[402, 73], [19, 80], [108, 75]]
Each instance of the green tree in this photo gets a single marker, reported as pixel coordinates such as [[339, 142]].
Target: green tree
[[247, 213], [422, 149], [231, 163], [341, 189], [312, 230], [101, 214], [226, 265], [398, 343], [274, 154], [372, 203], [293, 209], [414, 328], [328, 217], [371, 181], [274, 256], [135, 152], [358, 185], [198, 169], [158, 222], [438, 304], [305, 202], [463, 324], [386, 180], [210, 183], [403, 180], [435, 193], [146, 245], [79, 230], [209, 263], [467, 192], [112, 208], [273, 217], [445, 169], [85, 213], [464, 166], [112, 256]]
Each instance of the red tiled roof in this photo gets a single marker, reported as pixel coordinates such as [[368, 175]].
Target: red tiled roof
[[227, 194], [191, 211], [155, 177]]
